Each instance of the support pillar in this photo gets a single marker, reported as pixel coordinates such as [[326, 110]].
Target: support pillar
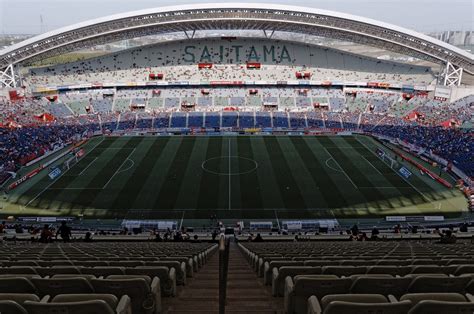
[[452, 75], [9, 77]]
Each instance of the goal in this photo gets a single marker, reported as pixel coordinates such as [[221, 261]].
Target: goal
[[70, 162], [390, 161]]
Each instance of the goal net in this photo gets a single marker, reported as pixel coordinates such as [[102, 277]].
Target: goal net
[[70, 162], [390, 161]]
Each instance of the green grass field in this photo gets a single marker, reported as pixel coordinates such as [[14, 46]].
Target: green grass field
[[248, 177]]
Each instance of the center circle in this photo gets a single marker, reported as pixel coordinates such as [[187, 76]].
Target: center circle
[[223, 165]]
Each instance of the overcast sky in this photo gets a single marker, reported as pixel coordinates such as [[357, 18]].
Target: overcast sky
[[23, 16]]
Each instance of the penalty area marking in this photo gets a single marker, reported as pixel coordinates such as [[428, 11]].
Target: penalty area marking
[[50, 184], [84, 170], [118, 169], [340, 169], [129, 167]]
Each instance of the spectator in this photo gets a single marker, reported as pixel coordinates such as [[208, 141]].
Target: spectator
[[448, 238], [88, 237], [64, 231], [46, 235], [258, 238]]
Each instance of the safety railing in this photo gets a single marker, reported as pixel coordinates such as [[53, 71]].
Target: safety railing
[[224, 243]]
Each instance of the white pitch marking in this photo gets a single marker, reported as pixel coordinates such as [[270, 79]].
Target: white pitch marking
[[117, 171], [47, 187], [87, 166], [342, 170], [371, 164], [406, 180]]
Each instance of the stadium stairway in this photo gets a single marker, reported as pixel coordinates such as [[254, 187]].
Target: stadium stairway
[[245, 292]]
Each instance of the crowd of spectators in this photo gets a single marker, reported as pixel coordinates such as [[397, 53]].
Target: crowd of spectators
[[435, 126]]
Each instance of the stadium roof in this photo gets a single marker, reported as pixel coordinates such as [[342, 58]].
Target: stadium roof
[[241, 16]]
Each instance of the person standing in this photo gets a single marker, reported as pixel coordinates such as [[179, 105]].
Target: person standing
[[65, 232]]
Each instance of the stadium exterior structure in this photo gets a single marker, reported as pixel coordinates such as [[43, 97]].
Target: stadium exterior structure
[[236, 16]]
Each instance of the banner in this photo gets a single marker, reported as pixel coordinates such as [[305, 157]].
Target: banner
[[405, 172], [55, 173]]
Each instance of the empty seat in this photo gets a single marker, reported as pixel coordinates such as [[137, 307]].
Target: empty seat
[[427, 269], [265, 260], [393, 262], [361, 303], [432, 306], [415, 298], [279, 275], [179, 267], [80, 307], [64, 270], [126, 263], [426, 284], [392, 270], [12, 303], [87, 277], [384, 286], [104, 271], [167, 277], [11, 307], [20, 263], [18, 270], [300, 288], [55, 286], [119, 306], [91, 263], [321, 263], [55, 263], [356, 263], [190, 263], [268, 268], [145, 294], [16, 285], [344, 270], [464, 269]]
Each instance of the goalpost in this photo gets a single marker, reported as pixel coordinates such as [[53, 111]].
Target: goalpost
[[387, 159], [70, 162]]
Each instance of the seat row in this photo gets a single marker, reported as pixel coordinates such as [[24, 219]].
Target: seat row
[[182, 270], [413, 303], [277, 271], [168, 279], [298, 289], [320, 261], [65, 303], [143, 293]]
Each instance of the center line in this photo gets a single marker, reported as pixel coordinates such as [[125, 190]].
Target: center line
[[230, 182]]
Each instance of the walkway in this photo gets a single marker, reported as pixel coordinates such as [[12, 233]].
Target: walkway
[[245, 291]]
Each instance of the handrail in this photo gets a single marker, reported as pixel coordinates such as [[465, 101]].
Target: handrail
[[224, 243]]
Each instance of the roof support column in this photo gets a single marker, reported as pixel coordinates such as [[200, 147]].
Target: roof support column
[[190, 35], [268, 34], [452, 75], [9, 78]]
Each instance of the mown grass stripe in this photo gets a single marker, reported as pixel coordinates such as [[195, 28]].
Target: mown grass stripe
[[250, 195], [321, 177], [395, 180], [53, 194], [370, 193], [407, 192], [289, 190], [88, 195], [129, 192], [174, 177], [209, 187]]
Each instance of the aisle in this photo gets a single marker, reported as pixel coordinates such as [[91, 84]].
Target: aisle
[[245, 292]]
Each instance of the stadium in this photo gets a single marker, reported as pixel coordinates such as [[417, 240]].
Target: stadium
[[215, 122]]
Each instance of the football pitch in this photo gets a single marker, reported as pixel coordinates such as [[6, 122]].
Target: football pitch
[[248, 177]]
